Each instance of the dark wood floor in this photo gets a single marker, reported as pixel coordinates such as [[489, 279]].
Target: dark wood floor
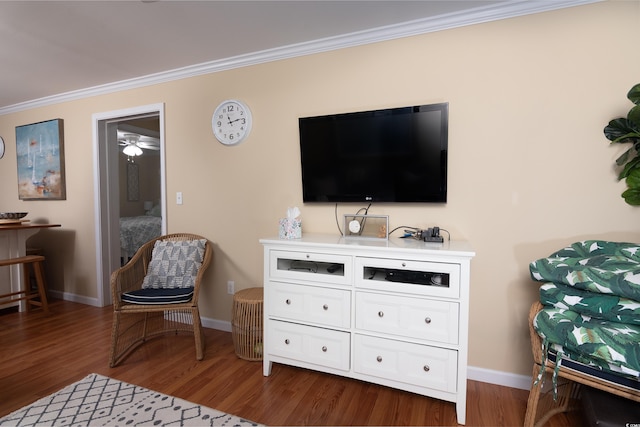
[[41, 354]]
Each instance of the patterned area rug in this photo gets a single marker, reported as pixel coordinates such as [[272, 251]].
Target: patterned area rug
[[102, 401]]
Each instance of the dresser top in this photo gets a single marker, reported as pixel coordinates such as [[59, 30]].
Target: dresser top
[[450, 247]]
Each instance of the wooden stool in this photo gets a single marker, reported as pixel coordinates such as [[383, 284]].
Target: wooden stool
[[247, 323], [36, 261], [30, 279]]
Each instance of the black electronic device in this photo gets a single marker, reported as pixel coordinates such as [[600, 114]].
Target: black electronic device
[[432, 235], [417, 277], [334, 267], [391, 155]]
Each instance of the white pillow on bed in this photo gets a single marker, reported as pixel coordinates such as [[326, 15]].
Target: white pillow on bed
[[154, 211]]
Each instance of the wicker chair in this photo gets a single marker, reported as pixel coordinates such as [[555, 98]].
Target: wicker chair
[[134, 323], [541, 405]]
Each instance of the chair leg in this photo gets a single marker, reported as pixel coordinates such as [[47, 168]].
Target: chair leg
[[198, 334], [26, 274], [534, 397], [145, 326], [131, 329], [39, 270], [114, 339]]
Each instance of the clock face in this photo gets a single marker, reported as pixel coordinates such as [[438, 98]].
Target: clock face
[[231, 122]]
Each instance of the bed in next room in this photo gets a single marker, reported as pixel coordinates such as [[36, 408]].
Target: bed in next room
[[137, 230]]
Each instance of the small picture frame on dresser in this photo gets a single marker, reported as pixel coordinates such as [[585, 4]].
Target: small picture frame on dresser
[[358, 226]]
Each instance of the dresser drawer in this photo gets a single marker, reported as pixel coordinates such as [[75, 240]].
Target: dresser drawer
[[310, 267], [310, 304], [412, 317], [408, 276], [408, 363], [318, 346]]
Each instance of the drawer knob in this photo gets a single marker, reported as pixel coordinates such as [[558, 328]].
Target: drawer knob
[[404, 264], [379, 358], [381, 313], [307, 256], [324, 348], [288, 301], [426, 368], [325, 307], [286, 341], [427, 320]]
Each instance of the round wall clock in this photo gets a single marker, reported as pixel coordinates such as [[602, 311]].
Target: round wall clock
[[231, 122], [1, 147]]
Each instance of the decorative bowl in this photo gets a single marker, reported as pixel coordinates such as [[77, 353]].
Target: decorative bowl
[[13, 215]]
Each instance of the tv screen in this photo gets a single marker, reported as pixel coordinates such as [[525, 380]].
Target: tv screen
[[391, 155]]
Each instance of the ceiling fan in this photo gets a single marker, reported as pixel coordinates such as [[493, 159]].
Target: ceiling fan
[[132, 144]]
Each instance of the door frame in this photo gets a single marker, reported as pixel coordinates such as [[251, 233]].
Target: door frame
[[106, 200]]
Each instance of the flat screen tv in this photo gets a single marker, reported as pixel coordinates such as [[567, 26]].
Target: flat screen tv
[[390, 155]]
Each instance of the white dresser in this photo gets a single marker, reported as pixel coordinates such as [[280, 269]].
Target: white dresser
[[394, 312]]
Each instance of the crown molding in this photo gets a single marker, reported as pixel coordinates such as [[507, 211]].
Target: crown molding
[[504, 10]]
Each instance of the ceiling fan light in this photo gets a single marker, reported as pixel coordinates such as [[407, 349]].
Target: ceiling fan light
[[132, 150]]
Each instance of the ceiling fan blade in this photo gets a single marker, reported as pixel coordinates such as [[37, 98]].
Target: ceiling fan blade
[[150, 139], [148, 146]]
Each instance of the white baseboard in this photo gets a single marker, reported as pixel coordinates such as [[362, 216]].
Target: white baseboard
[[74, 298], [221, 325], [490, 376], [506, 379]]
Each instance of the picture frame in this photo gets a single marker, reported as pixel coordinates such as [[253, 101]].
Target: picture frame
[[362, 226], [40, 157], [133, 184]]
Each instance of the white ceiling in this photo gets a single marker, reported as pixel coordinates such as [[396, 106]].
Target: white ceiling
[[55, 50]]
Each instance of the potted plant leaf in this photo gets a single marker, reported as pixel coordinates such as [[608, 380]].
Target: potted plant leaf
[[627, 130]]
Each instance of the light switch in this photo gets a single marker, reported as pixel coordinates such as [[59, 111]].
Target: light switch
[[179, 198]]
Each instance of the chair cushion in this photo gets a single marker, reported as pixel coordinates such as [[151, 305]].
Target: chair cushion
[[174, 264], [158, 296]]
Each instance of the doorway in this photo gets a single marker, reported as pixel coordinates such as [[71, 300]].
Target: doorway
[[108, 129]]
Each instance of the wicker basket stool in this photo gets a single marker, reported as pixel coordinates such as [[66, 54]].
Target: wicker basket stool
[[247, 323]]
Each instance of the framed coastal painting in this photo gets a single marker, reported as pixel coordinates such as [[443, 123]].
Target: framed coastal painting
[[40, 152]]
